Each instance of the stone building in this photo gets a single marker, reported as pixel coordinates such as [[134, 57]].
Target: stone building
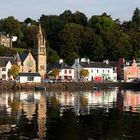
[[40, 53], [5, 40], [36, 62], [26, 62]]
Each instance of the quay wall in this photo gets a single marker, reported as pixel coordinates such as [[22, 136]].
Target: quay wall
[[6, 86]]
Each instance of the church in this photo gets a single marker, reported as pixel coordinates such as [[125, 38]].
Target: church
[[36, 62]]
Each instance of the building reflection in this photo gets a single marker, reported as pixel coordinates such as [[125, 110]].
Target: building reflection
[[37, 103], [82, 102], [29, 103], [132, 101]]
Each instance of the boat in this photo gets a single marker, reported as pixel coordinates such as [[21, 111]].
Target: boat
[[96, 88], [39, 88]]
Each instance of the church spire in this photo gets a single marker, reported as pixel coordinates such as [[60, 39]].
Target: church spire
[[40, 52]]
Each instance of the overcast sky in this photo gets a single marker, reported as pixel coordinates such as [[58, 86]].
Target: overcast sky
[[22, 9]]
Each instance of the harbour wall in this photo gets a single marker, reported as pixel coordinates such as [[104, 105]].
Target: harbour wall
[[7, 86]]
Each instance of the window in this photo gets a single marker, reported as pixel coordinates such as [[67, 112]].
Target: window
[[3, 76], [108, 71], [42, 49], [91, 70], [3, 69], [69, 71], [97, 71], [30, 78], [65, 72], [42, 67], [70, 77]]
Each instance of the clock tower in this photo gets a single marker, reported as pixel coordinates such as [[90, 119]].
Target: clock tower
[[40, 53]]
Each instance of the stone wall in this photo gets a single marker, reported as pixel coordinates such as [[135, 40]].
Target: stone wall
[[5, 86]]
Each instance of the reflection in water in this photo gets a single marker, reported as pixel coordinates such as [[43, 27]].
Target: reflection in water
[[66, 115]]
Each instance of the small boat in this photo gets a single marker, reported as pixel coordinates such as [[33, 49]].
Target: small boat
[[96, 88], [40, 88]]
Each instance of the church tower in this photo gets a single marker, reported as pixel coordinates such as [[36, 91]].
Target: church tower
[[40, 53]]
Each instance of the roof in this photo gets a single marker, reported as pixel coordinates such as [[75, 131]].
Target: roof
[[3, 33], [23, 56], [113, 63], [4, 60], [94, 65], [29, 74], [17, 58], [58, 66]]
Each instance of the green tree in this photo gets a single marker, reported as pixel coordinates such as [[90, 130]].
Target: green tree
[[14, 71], [30, 36], [55, 72], [30, 21], [4, 51], [109, 30], [12, 26], [79, 18], [66, 16], [71, 42], [53, 56], [136, 16], [84, 73]]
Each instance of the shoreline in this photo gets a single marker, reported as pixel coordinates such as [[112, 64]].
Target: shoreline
[[8, 86]]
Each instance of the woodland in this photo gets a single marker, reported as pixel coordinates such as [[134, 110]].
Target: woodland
[[74, 35]]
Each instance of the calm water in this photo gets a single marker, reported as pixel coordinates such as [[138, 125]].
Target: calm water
[[91, 115]]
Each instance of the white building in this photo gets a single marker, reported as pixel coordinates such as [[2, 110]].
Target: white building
[[5, 65], [29, 77], [66, 73], [98, 71]]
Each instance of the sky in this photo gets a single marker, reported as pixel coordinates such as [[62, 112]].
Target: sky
[[22, 9]]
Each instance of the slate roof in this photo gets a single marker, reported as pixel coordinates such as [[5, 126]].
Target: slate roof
[[4, 60], [17, 58], [58, 66], [3, 33], [23, 56], [113, 63], [94, 65], [128, 63], [28, 74]]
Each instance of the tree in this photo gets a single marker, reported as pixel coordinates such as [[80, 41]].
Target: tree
[[53, 56], [136, 16], [71, 42], [84, 73], [30, 36], [14, 71], [12, 26], [55, 72], [79, 18], [4, 51]]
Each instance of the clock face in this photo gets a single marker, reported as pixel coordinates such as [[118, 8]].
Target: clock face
[[29, 63]]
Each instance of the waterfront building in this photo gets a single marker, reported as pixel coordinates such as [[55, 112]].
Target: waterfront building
[[130, 70], [5, 64], [98, 71], [29, 77], [66, 72]]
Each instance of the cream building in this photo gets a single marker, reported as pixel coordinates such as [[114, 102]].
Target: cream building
[[26, 62], [5, 40]]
